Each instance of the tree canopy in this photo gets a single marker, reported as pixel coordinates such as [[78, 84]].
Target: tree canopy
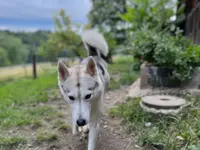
[[65, 40], [105, 15]]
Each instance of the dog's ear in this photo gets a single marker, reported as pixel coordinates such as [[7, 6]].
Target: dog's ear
[[91, 67], [63, 71]]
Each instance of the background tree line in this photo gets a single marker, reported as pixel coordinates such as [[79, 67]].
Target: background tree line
[[17, 47]]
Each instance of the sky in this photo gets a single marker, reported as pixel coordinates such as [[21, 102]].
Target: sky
[[31, 15]]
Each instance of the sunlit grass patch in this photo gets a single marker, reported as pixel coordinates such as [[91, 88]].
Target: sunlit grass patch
[[10, 142], [123, 59], [19, 116], [61, 125], [122, 72], [20, 71], [19, 100], [24, 91], [45, 136], [36, 123]]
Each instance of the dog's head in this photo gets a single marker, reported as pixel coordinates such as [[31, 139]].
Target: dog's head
[[81, 87]]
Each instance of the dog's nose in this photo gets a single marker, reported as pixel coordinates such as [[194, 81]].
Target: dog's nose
[[81, 122]]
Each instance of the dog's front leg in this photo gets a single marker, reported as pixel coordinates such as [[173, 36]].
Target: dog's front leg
[[94, 129], [74, 128]]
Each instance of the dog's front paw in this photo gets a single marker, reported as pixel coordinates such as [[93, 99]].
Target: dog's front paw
[[86, 129], [84, 132]]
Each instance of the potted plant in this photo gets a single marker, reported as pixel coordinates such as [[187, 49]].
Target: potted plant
[[170, 59]]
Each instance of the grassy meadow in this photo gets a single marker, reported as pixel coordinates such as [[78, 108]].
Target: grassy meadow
[[14, 72]]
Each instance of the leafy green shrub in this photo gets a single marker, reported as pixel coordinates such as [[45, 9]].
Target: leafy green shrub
[[144, 43], [155, 13], [151, 39], [164, 50]]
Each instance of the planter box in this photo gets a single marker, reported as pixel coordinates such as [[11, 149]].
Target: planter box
[[157, 77]]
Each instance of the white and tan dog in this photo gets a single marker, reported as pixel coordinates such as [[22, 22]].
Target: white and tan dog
[[83, 85]]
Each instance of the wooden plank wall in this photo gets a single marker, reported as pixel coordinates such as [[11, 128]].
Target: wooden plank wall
[[193, 24]]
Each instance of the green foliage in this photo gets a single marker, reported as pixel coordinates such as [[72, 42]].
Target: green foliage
[[16, 50], [17, 47], [154, 13], [31, 39], [165, 131], [111, 45], [64, 39], [164, 50], [153, 38], [3, 57], [193, 147], [105, 15]]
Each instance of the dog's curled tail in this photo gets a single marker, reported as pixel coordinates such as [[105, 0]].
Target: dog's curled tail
[[95, 43]]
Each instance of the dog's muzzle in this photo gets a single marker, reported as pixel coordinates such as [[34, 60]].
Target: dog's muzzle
[[81, 122]]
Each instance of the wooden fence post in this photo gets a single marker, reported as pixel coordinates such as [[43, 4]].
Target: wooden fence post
[[34, 66]]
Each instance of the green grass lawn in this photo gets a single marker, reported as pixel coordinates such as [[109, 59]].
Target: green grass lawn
[[122, 72], [18, 98], [165, 132]]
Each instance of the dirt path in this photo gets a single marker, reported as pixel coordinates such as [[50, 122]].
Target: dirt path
[[112, 136]]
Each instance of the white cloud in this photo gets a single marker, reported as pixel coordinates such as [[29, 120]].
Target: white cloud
[[44, 9]]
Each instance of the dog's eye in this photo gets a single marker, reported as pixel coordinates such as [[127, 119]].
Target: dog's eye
[[71, 98], [88, 96]]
